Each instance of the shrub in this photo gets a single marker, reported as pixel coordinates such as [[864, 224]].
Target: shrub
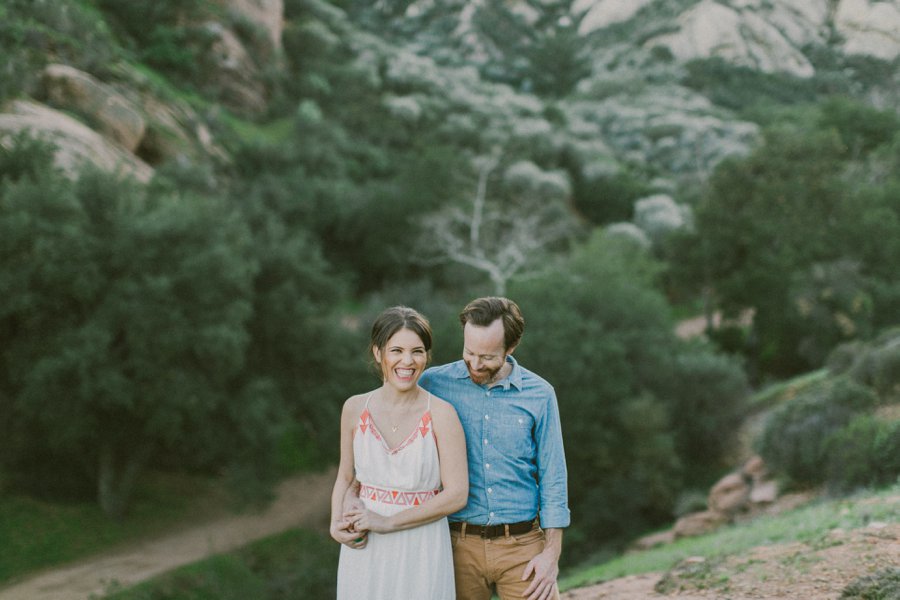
[[794, 440], [875, 364], [706, 397], [880, 366], [883, 585], [865, 453]]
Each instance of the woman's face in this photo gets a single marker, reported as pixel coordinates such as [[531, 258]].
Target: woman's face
[[402, 359]]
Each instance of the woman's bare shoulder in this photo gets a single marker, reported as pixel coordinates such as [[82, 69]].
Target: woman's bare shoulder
[[356, 402]]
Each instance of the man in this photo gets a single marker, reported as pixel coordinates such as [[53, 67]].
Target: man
[[508, 537]]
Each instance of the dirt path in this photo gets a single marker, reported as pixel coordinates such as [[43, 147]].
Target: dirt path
[[301, 501]]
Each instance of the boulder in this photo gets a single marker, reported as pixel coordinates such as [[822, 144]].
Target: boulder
[[108, 111], [867, 27], [266, 14], [77, 144], [742, 37], [764, 493], [653, 540], [699, 523], [730, 494], [235, 73]]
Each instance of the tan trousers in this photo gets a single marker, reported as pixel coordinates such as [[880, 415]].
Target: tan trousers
[[483, 565]]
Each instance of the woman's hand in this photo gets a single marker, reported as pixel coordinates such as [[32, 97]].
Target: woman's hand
[[366, 520], [345, 533]]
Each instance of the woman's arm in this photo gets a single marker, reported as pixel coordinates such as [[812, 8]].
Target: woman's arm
[[342, 529], [454, 477]]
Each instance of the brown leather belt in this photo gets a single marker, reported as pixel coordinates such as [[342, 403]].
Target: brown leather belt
[[492, 531]]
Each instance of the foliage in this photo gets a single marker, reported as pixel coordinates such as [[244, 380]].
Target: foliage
[[557, 62], [608, 198], [601, 309], [291, 566], [831, 304], [163, 34], [707, 397], [624, 438], [739, 87], [132, 309], [796, 436], [781, 230], [883, 585], [156, 316], [866, 453], [876, 364], [34, 33]]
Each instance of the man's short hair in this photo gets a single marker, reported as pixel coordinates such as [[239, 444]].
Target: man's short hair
[[484, 311]]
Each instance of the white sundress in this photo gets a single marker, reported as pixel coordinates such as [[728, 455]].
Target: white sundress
[[411, 564]]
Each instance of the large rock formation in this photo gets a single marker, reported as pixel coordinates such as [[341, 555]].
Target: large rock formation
[[77, 144], [769, 35], [113, 115], [266, 14]]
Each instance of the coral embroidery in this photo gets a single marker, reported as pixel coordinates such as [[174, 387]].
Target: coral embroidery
[[367, 424], [395, 496]]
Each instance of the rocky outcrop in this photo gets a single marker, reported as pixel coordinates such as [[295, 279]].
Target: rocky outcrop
[[77, 144], [139, 122], [744, 38], [234, 72], [739, 495], [265, 14], [111, 114], [867, 27], [768, 35]]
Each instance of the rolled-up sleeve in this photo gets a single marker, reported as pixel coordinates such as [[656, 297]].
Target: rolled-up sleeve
[[551, 464]]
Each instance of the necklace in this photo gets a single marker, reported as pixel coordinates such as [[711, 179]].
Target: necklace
[[390, 416]]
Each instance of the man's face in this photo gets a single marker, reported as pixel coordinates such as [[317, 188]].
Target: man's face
[[483, 351]]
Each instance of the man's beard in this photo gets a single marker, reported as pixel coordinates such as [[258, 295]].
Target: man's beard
[[483, 376]]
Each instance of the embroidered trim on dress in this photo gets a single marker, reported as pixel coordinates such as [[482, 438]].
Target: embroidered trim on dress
[[367, 424], [395, 496]]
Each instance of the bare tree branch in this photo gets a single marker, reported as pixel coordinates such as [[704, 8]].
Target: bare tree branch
[[500, 238]]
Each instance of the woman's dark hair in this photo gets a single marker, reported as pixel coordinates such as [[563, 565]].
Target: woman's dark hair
[[484, 311], [393, 319]]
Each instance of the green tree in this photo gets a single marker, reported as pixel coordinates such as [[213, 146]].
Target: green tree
[[124, 318], [601, 334], [805, 198]]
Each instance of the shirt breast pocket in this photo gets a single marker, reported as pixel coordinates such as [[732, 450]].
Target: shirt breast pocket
[[515, 432]]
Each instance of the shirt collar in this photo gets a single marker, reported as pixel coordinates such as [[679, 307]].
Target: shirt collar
[[514, 377]]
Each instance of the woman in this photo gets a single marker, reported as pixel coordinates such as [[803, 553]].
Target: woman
[[406, 449]]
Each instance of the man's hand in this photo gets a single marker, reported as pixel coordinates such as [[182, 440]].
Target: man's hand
[[545, 570]]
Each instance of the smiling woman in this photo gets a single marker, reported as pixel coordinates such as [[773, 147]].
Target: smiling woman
[[402, 471]]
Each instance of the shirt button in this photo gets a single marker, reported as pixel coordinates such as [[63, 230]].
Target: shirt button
[[488, 417], [487, 393], [487, 465], [485, 442], [490, 490], [492, 514]]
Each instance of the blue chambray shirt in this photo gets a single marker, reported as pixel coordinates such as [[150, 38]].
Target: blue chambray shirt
[[517, 466]]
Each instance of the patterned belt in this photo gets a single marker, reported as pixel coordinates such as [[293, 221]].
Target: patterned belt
[[492, 531], [399, 497]]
